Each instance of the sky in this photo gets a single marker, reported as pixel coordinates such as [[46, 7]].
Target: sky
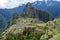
[[15, 3]]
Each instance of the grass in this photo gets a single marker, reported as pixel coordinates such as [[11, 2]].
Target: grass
[[27, 20], [55, 37], [42, 25], [57, 21]]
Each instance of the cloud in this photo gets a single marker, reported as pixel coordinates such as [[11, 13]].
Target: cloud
[[9, 3], [58, 0], [13, 3]]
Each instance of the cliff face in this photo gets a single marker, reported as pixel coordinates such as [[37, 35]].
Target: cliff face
[[31, 12]]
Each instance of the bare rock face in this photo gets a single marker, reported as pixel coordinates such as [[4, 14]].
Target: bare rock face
[[31, 12]]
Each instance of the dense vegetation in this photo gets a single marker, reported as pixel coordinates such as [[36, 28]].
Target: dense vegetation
[[35, 30]]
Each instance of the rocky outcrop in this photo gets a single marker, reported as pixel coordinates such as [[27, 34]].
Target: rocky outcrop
[[31, 12]]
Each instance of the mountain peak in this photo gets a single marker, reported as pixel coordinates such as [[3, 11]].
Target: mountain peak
[[28, 4], [31, 12]]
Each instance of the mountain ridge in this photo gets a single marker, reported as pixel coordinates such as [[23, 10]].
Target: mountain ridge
[[53, 9], [31, 12]]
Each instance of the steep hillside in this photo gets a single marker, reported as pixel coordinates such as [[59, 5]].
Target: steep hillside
[[2, 23], [20, 24], [32, 29], [52, 7], [31, 12]]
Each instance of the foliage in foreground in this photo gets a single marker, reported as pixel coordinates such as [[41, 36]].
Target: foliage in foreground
[[27, 34]]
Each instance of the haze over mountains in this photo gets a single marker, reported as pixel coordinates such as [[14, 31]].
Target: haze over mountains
[[51, 7]]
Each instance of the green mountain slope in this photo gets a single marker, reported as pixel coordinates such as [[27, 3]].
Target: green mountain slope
[[32, 29]]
